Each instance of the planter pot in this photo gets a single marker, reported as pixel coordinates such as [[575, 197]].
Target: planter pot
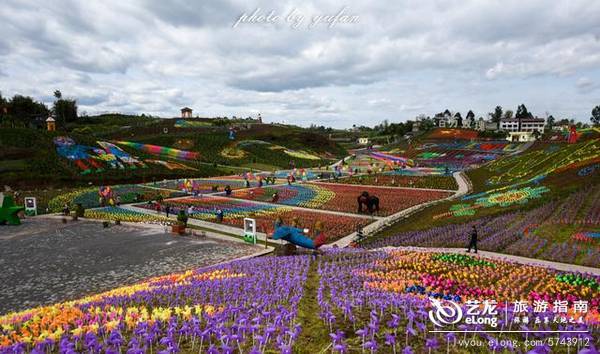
[[178, 229]]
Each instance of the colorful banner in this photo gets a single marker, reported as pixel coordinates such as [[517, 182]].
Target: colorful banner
[[161, 150]]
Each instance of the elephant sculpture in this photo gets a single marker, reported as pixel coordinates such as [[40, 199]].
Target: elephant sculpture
[[370, 202]]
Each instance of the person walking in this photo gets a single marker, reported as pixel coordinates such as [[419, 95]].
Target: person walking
[[227, 190], [359, 232], [167, 209], [473, 242], [219, 215]]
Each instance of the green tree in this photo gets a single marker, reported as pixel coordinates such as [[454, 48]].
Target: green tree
[[459, 120], [65, 110], [23, 109], [470, 119], [595, 118], [522, 112], [496, 115], [550, 122], [508, 114]]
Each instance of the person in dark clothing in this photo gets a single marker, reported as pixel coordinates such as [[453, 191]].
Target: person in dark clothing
[[473, 242], [167, 209], [359, 232], [227, 190], [219, 215]]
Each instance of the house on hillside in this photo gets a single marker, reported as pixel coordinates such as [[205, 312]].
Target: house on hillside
[[527, 125], [186, 112]]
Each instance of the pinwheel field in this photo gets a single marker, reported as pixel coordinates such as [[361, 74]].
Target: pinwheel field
[[341, 197], [380, 266], [299, 177], [368, 301]]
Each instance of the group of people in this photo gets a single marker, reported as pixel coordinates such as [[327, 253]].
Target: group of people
[[188, 211]]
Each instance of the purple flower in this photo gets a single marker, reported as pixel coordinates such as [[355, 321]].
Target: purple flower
[[390, 339], [371, 345], [432, 343], [407, 350]]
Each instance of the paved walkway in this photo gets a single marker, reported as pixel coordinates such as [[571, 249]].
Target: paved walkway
[[323, 211], [506, 257], [53, 262], [221, 231], [464, 187]]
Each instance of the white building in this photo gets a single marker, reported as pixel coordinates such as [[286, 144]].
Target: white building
[[364, 141], [520, 137], [523, 125]]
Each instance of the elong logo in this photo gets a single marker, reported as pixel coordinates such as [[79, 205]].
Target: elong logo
[[443, 314]]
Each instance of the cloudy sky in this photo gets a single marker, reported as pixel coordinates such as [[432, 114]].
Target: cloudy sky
[[382, 60]]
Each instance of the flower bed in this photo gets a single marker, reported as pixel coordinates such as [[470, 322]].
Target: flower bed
[[431, 182], [338, 197], [380, 302], [89, 197], [121, 214], [246, 306], [366, 301], [234, 212], [509, 233], [543, 162], [446, 133], [499, 199], [204, 185]]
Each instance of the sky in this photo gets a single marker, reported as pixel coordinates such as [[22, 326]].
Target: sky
[[305, 62]]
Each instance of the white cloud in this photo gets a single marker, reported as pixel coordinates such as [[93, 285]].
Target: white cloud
[[401, 58]]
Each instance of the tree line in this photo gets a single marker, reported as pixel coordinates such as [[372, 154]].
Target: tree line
[[24, 111]]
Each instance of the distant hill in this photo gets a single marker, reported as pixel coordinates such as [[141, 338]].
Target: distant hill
[[28, 157]]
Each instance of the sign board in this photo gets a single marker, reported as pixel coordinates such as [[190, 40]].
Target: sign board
[[250, 230], [30, 206]]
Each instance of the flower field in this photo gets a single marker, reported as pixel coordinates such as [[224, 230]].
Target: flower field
[[89, 197], [204, 185], [340, 197], [235, 211], [116, 213], [431, 182], [519, 233], [367, 301], [454, 159], [248, 306], [543, 162], [377, 302], [501, 199], [464, 134]]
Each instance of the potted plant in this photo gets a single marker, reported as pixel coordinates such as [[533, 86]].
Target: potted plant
[[181, 224]]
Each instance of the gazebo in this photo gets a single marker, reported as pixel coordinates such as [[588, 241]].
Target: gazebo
[[186, 112], [51, 124]]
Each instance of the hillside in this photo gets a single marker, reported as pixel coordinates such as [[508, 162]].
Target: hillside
[[556, 169], [30, 157]]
